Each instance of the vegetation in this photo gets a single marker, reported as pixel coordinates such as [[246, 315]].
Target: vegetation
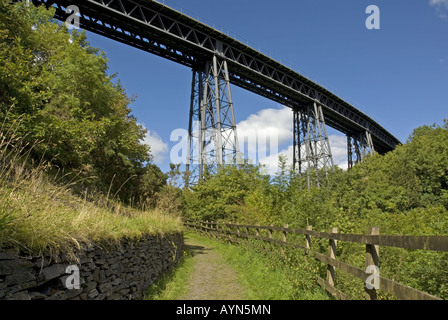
[[73, 168], [264, 277], [402, 192], [173, 284], [39, 214], [57, 85]]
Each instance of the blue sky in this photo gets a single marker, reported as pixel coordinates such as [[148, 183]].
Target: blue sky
[[398, 75]]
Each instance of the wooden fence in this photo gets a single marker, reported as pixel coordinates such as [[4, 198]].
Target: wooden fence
[[372, 240]]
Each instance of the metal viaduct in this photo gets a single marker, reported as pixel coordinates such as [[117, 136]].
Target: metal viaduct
[[218, 60]]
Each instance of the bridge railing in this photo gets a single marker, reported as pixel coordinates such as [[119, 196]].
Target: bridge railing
[[373, 281]]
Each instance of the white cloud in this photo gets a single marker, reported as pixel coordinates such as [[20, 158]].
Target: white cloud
[[262, 133], [441, 8], [269, 119], [338, 145], [438, 3], [271, 161], [277, 125], [159, 149]]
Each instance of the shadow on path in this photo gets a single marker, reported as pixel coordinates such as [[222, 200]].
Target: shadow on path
[[212, 278]]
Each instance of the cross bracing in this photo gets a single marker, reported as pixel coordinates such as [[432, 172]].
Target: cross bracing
[[161, 30]]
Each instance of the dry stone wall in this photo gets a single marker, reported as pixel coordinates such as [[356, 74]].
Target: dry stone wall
[[124, 272]]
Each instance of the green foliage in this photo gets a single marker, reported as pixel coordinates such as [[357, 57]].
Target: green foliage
[[38, 214], [221, 196], [58, 86], [404, 192]]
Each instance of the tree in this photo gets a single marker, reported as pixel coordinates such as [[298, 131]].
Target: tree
[[149, 183], [58, 86]]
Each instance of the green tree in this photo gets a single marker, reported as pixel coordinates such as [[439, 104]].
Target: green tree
[[58, 86], [222, 195]]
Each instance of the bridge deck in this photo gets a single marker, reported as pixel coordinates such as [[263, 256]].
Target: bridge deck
[[161, 30]]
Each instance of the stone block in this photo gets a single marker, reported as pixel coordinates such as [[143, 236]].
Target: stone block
[[19, 287], [104, 287], [92, 294], [101, 296], [99, 276], [19, 278], [100, 262], [116, 282], [14, 266], [89, 286], [34, 295], [8, 256], [21, 295], [52, 272], [70, 294], [57, 295]]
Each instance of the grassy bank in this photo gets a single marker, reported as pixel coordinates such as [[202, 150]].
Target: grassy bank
[[39, 214]]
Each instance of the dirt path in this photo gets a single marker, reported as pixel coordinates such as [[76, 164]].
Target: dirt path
[[212, 278]]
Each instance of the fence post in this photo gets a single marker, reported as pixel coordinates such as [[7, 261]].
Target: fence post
[[372, 264], [332, 254], [228, 231], [257, 231], [270, 232], [238, 230], [308, 240], [284, 233]]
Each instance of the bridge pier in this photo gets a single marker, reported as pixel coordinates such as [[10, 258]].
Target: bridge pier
[[358, 147], [156, 28], [213, 140], [312, 152]]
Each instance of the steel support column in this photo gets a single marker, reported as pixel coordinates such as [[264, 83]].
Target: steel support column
[[312, 152], [358, 147], [213, 140]]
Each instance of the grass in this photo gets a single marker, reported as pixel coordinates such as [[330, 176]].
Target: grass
[[256, 274], [262, 279], [38, 214], [173, 285]]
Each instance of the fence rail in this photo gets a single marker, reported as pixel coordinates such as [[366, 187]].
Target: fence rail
[[372, 241]]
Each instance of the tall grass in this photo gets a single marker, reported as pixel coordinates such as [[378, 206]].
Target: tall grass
[[38, 213]]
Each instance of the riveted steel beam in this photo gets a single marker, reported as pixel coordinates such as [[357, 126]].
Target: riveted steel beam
[[161, 30]]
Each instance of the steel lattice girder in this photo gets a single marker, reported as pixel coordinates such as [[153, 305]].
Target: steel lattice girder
[[213, 139], [358, 147], [156, 28], [312, 150]]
